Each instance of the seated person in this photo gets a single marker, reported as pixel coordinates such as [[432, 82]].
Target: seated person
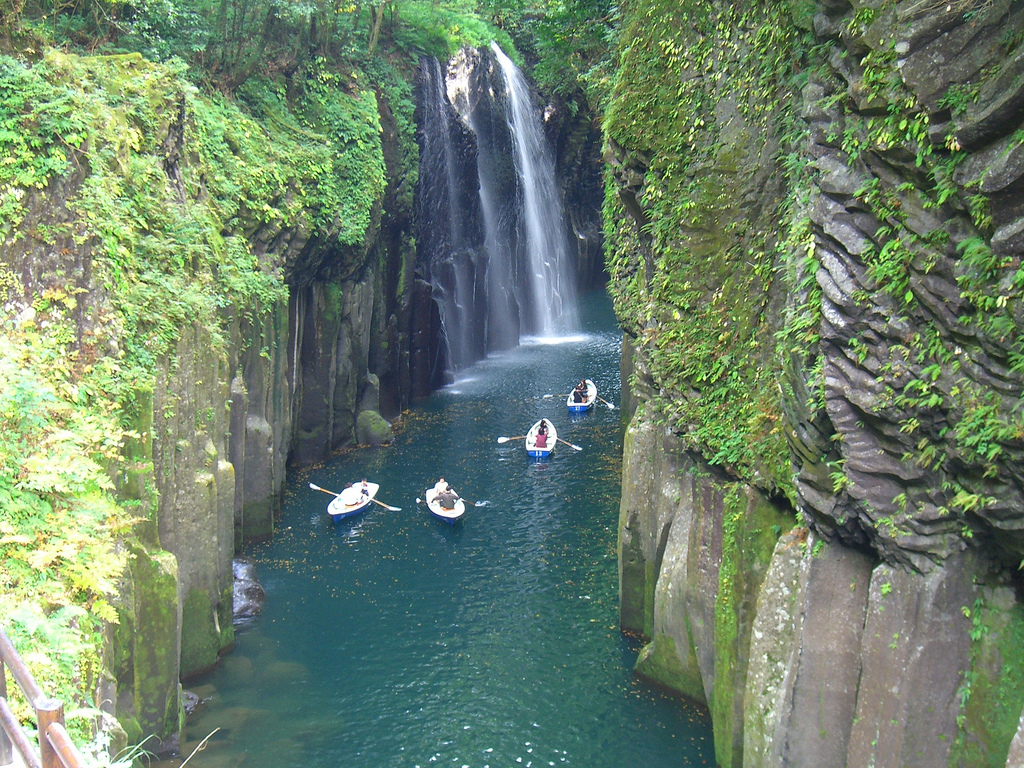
[[579, 395], [440, 485], [542, 437], [447, 498]]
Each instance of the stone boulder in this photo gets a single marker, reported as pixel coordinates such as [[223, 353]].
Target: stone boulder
[[373, 429]]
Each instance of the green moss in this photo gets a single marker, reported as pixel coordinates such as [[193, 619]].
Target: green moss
[[699, 101], [155, 653], [636, 592], [660, 663], [992, 694], [748, 542], [200, 640]]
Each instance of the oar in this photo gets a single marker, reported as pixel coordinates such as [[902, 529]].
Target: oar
[[610, 406], [386, 506], [318, 488], [574, 447], [506, 439], [467, 501], [547, 396]]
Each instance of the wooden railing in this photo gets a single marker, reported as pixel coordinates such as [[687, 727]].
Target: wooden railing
[[56, 749]]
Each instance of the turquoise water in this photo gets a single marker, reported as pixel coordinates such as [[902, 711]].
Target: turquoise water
[[395, 639]]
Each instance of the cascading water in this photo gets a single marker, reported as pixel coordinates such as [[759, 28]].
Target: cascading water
[[553, 290], [492, 243]]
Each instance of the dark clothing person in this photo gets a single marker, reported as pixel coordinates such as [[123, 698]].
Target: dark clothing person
[[447, 499]]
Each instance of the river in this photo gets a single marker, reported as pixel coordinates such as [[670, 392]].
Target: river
[[395, 639]]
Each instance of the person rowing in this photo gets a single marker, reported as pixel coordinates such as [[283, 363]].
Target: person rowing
[[447, 498], [542, 434]]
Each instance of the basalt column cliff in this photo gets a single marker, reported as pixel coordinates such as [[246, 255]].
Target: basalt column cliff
[[815, 220]]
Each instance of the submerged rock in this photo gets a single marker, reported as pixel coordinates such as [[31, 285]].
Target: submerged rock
[[249, 597]]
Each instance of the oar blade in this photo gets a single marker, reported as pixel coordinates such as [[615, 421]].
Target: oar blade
[[504, 439]]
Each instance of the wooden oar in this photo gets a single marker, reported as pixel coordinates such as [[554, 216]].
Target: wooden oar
[[547, 396], [318, 488], [610, 406], [574, 447], [386, 506], [506, 439]]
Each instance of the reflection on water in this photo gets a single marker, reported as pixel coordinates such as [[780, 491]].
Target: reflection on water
[[395, 639]]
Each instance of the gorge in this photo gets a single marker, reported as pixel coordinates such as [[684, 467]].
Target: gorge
[[811, 230]]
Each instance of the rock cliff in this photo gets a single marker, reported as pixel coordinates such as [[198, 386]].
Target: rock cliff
[[818, 268], [238, 279], [257, 322]]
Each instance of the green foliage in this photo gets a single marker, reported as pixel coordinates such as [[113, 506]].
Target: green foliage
[[698, 304], [427, 28], [59, 560], [41, 127], [352, 184], [575, 41]]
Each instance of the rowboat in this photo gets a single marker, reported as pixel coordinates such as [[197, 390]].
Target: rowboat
[[541, 451], [448, 515], [587, 403], [351, 501]]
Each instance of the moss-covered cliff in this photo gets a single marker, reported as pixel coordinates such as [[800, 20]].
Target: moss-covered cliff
[[196, 266], [206, 275], [812, 213]]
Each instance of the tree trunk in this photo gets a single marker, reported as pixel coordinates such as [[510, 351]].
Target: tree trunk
[[377, 17]]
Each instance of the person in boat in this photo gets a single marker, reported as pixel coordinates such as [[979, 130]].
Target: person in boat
[[439, 486], [542, 434], [447, 497], [364, 488], [579, 394]]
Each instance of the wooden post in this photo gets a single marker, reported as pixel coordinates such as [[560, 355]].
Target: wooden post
[[6, 753], [48, 711], [58, 739]]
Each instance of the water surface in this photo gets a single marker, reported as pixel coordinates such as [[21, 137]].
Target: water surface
[[395, 639]]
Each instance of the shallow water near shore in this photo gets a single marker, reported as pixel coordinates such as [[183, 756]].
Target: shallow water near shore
[[395, 639]]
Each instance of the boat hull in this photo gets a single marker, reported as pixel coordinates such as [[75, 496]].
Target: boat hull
[[450, 516], [533, 450], [351, 502], [587, 404]]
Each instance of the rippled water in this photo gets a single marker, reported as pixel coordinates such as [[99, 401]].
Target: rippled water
[[395, 639]]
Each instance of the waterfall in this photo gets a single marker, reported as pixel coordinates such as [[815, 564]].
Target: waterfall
[[551, 279], [491, 237]]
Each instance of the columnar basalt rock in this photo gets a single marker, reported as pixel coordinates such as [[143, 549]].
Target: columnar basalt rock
[[884, 622]]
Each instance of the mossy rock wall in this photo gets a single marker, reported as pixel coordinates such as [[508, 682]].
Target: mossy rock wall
[[694, 548], [179, 242], [813, 215]]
